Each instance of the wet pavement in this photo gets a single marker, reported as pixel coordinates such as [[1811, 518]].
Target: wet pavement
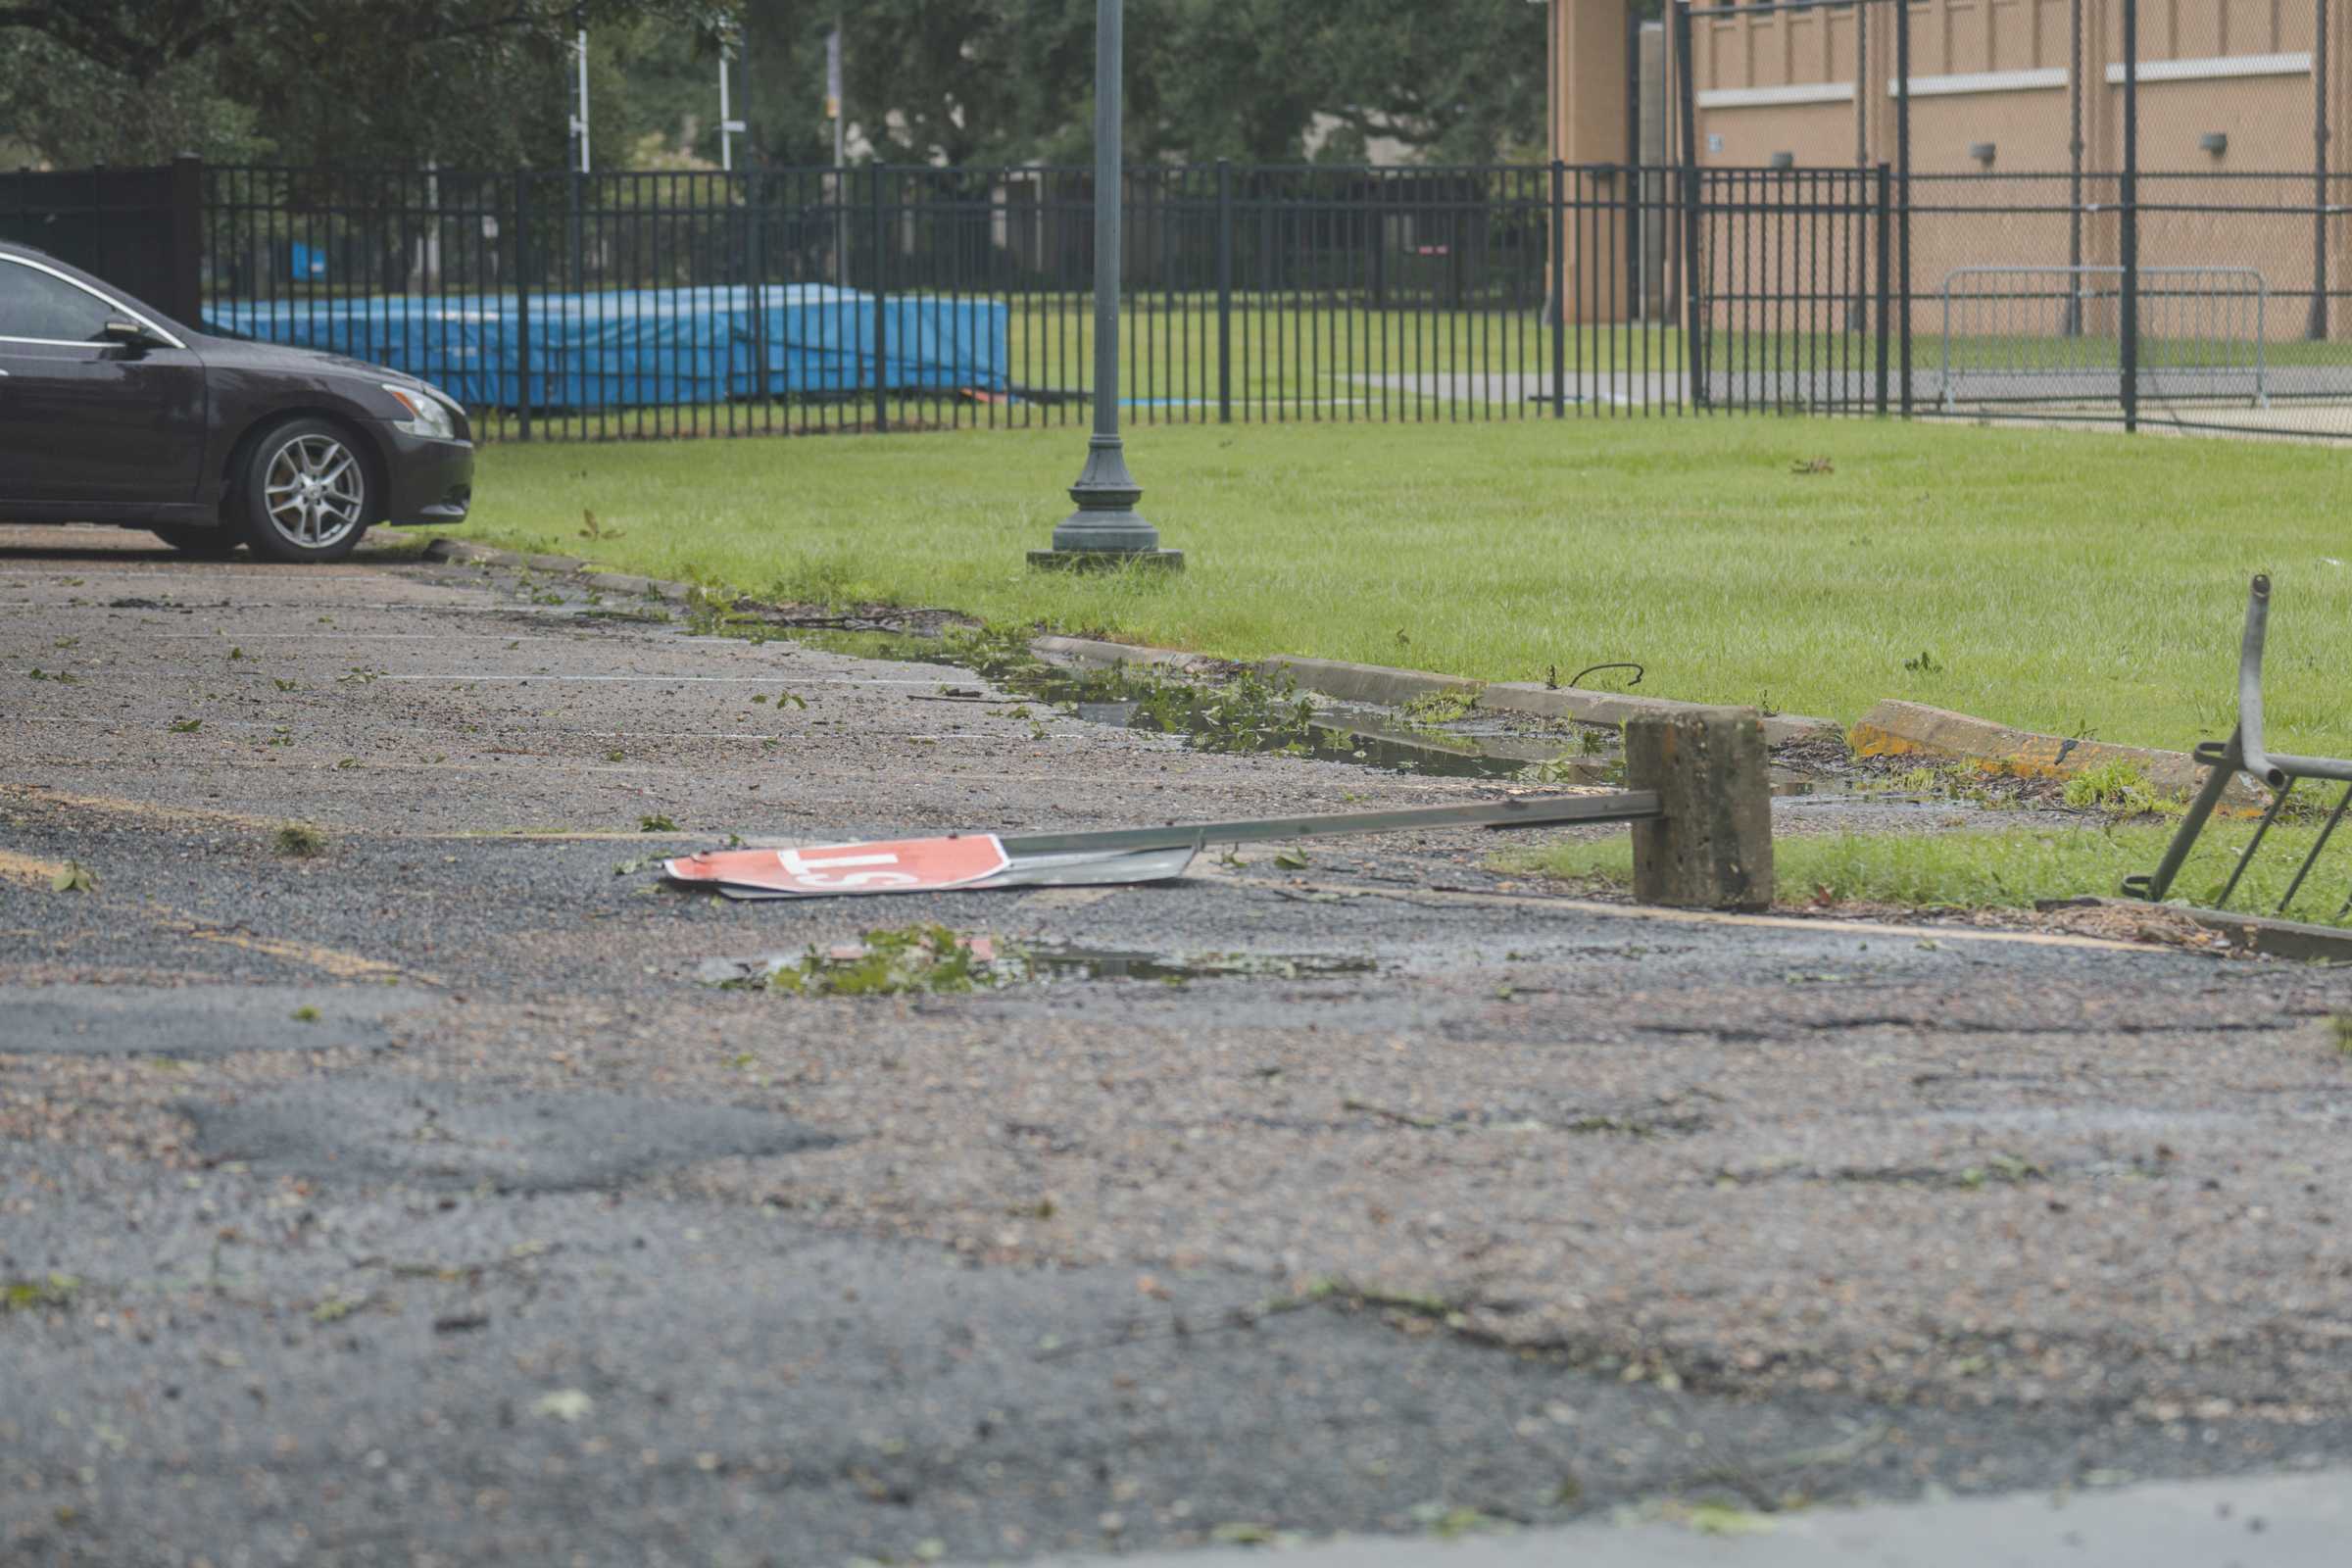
[[421, 1200]]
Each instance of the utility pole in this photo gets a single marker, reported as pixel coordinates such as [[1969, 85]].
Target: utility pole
[[579, 202], [728, 125], [841, 179], [833, 92], [579, 118]]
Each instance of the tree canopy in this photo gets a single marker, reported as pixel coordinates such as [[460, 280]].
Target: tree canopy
[[487, 83]]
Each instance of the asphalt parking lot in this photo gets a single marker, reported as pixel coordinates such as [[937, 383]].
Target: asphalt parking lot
[[415, 1202]]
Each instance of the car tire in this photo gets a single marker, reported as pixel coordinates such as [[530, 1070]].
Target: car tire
[[206, 543], [305, 493]]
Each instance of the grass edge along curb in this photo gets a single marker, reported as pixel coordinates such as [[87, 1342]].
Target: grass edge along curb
[[1898, 728], [1392, 687], [2024, 868], [1327, 677]]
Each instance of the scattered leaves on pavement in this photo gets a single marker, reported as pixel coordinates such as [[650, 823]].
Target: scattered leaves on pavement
[[565, 1405]]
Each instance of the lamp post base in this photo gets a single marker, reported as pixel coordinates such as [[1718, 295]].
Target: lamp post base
[[1104, 530], [1105, 560]]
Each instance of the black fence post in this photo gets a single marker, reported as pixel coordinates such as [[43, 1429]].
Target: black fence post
[[100, 262], [185, 297], [1902, 159], [881, 330], [1886, 284], [1695, 327], [523, 304], [2128, 216], [1559, 289], [1636, 294], [756, 263], [1454, 226], [1224, 291]]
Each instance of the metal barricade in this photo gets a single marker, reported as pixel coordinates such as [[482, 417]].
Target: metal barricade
[[2244, 752], [2054, 334]]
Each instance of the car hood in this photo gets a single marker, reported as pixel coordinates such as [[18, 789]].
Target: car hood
[[229, 352]]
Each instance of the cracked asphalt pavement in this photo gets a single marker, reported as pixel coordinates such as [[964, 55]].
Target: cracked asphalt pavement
[[411, 1200]]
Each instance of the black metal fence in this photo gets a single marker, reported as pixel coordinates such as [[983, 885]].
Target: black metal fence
[[878, 298], [658, 304]]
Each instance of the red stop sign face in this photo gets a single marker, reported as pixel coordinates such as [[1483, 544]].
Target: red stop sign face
[[898, 865]]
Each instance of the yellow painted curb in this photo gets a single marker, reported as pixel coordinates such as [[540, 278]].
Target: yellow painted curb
[[1896, 728]]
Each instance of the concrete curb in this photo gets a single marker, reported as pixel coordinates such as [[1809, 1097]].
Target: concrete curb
[[1093, 651], [1367, 683], [1615, 707], [1329, 677], [1378, 683], [617, 582], [1896, 728], [2248, 933]]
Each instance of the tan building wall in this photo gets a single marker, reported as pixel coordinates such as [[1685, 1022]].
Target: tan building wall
[[1818, 82], [2002, 87]]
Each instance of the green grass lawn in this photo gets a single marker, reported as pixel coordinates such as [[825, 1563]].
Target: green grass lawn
[[2008, 869], [2082, 583]]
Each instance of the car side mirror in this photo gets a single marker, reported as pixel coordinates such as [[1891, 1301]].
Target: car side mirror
[[128, 334]]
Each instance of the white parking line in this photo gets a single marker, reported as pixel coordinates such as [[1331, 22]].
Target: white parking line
[[445, 737], [679, 680], [314, 606], [317, 636]]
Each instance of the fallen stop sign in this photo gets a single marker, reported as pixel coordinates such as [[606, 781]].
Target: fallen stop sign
[[896, 865]]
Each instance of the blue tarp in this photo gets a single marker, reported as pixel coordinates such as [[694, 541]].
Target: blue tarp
[[648, 346]]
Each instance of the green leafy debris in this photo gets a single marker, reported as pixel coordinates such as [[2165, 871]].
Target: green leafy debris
[[907, 959], [1443, 707], [299, 841], [33, 1294]]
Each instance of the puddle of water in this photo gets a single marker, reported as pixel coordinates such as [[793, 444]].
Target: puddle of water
[[1249, 714]]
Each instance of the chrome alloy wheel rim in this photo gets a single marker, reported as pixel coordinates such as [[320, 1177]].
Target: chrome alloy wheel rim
[[314, 491]]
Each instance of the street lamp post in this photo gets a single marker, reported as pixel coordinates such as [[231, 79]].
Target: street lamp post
[[1106, 530]]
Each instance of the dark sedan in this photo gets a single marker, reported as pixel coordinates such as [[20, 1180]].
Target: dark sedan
[[111, 412]]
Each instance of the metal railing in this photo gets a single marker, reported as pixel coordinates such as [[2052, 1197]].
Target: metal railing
[[2246, 753]]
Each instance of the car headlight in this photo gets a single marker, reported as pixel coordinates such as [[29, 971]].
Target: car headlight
[[429, 415]]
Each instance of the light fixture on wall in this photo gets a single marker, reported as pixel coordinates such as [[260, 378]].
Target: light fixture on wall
[[1982, 152], [2216, 143], [1783, 160]]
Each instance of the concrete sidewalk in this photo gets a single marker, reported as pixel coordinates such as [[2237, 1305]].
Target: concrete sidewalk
[[2298, 1521]]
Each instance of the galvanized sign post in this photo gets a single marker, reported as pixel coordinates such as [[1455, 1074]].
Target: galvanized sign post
[[1106, 530]]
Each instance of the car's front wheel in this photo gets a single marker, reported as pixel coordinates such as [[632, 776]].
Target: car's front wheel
[[305, 494], [206, 543]]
